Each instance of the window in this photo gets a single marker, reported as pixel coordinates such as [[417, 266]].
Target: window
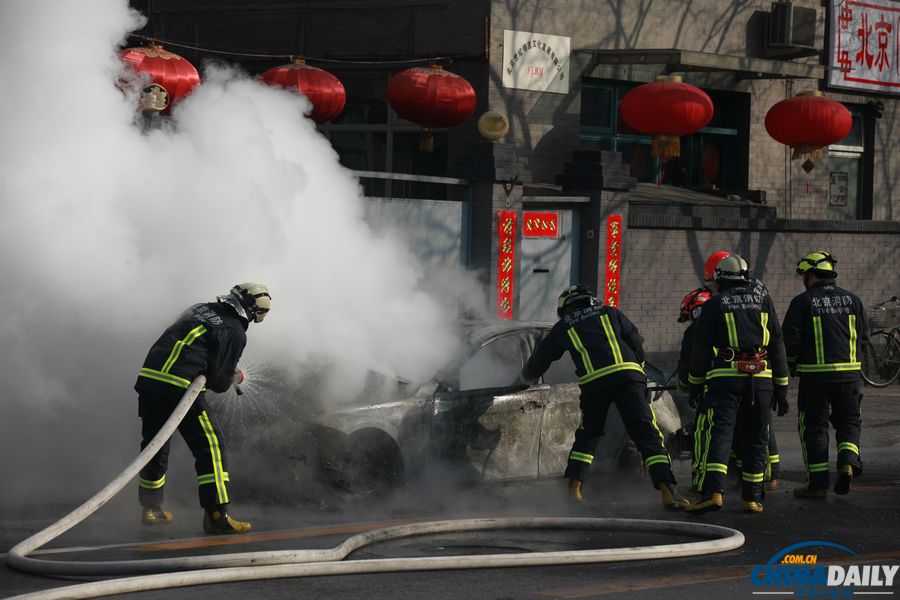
[[849, 170], [369, 136], [496, 364], [714, 158]]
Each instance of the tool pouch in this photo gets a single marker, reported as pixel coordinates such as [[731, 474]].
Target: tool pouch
[[751, 366]]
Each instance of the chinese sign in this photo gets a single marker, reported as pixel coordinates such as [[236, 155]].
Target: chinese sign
[[613, 259], [838, 192], [506, 262], [540, 224], [865, 45], [536, 61]]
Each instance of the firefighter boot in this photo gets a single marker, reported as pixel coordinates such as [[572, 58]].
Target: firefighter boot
[[155, 516], [753, 506], [804, 493], [842, 485], [771, 485], [708, 502], [671, 497], [575, 490], [217, 521]]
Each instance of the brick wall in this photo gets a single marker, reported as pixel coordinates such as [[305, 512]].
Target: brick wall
[[662, 265]]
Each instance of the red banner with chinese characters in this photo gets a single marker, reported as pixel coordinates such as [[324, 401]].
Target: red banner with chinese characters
[[506, 262], [613, 260], [540, 224]]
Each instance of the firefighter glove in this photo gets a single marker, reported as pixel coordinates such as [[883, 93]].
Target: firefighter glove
[[779, 400], [696, 395]]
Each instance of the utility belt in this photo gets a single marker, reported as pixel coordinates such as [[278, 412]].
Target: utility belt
[[745, 362]]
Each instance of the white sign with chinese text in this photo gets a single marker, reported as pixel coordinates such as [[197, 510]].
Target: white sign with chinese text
[[865, 45], [536, 61], [838, 189]]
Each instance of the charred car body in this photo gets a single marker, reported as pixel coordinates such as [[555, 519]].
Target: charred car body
[[464, 424]]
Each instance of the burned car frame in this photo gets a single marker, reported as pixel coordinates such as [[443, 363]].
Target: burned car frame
[[466, 424]]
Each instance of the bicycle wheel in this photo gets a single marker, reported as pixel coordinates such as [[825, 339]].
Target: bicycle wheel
[[881, 359]]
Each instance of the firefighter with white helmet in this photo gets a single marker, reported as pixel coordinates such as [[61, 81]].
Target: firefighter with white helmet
[[737, 371], [206, 339]]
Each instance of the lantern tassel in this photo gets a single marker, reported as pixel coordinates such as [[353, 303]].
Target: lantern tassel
[[815, 153], [665, 146], [426, 140]]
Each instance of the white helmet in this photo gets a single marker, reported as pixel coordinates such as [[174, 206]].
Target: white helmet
[[251, 301]]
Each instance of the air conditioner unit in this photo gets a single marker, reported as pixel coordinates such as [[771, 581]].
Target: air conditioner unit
[[791, 31]]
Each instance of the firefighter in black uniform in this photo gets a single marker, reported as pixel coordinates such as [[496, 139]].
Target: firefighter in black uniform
[[824, 331], [608, 354], [738, 357], [689, 312], [773, 460], [207, 339]]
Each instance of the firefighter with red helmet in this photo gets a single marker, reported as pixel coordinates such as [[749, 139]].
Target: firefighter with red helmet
[[737, 371], [825, 330], [207, 339], [608, 353], [688, 313]]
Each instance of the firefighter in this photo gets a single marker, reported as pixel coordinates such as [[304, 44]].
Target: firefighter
[[608, 353], [207, 339], [773, 460], [688, 313], [738, 371], [824, 331]]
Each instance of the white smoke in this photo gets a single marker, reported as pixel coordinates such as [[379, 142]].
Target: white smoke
[[107, 233]]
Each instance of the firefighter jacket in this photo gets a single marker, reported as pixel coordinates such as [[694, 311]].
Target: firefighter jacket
[[605, 346], [824, 331], [741, 319], [206, 339]]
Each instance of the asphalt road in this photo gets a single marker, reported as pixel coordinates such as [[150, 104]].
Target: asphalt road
[[867, 521]]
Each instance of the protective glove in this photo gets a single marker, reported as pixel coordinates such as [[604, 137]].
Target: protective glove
[[696, 395], [238, 379], [779, 400]]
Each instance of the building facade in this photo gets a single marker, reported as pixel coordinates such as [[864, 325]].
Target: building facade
[[571, 193]]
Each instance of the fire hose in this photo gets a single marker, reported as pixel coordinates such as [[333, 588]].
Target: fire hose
[[250, 566]]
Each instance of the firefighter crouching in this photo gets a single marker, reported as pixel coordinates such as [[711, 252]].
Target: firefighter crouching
[[824, 331], [607, 350], [207, 339], [738, 371]]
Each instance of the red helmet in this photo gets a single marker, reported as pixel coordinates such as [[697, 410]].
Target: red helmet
[[690, 304], [709, 269]]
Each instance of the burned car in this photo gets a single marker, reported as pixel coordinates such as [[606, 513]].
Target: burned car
[[465, 424]]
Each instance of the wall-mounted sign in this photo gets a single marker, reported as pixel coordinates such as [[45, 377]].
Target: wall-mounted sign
[[540, 224], [506, 263], [837, 194], [536, 61], [864, 45], [613, 260]]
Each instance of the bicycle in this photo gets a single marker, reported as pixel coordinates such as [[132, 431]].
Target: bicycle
[[881, 353]]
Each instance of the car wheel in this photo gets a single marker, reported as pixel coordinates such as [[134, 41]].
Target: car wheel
[[374, 466]]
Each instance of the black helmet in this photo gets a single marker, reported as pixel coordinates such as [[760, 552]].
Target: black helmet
[[251, 301], [574, 296]]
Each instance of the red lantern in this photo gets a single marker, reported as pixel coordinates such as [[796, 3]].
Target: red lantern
[[432, 98], [666, 109], [172, 77], [808, 122], [324, 91]]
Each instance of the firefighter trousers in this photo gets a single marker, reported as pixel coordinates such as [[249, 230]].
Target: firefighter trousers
[[200, 433], [773, 460], [813, 401], [729, 406], [637, 414]]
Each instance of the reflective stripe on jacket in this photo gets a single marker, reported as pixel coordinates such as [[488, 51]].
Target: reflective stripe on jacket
[[206, 339], [824, 331], [604, 344], [743, 319]]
